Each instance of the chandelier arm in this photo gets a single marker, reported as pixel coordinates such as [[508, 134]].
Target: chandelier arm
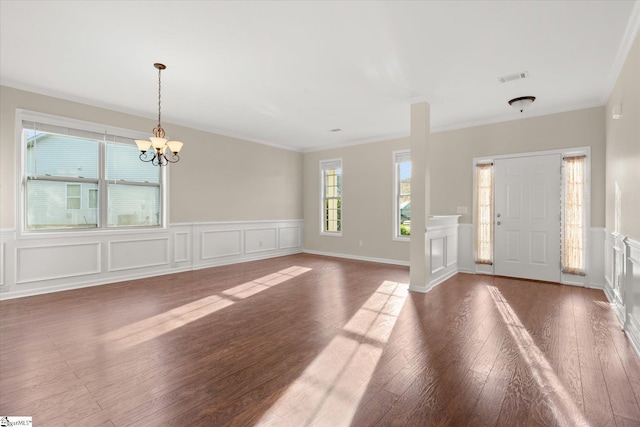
[[144, 156]]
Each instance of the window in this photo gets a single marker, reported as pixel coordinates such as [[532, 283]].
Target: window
[[73, 196], [331, 190], [93, 199], [484, 213], [76, 177], [402, 196], [574, 215]]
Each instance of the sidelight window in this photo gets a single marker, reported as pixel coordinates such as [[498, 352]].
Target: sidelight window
[[484, 214], [574, 215]]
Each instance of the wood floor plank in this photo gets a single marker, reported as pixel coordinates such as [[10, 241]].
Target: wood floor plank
[[313, 340]]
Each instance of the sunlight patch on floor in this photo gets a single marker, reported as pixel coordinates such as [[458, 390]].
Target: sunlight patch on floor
[[602, 304], [329, 391], [152, 327], [258, 285], [555, 394]]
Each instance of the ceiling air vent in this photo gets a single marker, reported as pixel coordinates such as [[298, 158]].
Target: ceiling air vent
[[511, 77]]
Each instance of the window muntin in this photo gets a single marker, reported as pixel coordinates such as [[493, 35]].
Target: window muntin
[[484, 213], [78, 179], [402, 196], [331, 182]]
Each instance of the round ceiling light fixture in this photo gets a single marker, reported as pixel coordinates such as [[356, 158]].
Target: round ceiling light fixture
[[522, 102]]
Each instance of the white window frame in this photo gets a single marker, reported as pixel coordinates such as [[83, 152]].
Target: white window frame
[[396, 160], [21, 176], [326, 165]]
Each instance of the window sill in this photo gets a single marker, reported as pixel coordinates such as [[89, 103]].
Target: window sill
[[328, 233], [43, 234]]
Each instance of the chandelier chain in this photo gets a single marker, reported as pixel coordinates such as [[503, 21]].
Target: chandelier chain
[[159, 92]]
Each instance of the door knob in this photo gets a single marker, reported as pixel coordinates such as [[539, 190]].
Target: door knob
[[498, 223], [498, 215]]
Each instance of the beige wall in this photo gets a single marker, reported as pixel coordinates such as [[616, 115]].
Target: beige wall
[[368, 177], [452, 154], [367, 207], [217, 179], [623, 147]]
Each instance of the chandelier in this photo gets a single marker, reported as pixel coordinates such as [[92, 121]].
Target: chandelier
[[158, 150]]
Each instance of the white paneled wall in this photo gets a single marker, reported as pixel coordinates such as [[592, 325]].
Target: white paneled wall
[[622, 285], [632, 291], [57, 261], [442, 235]]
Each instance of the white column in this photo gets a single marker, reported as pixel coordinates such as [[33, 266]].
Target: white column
[[420, 257]]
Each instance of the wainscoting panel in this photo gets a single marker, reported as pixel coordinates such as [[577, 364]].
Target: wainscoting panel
[[466, 263], [452, 250], [596, 260], [442, 233], [437, 254], [181, 247], [137, 254], [289, 237], [2, 244], [50, 262], [260, 240], [632, 292], [47, 262], [216, 244]]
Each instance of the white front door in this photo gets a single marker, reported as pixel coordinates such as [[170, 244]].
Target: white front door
[[527, 217]]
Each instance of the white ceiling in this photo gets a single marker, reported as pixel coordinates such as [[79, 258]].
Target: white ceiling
[[286, 73]]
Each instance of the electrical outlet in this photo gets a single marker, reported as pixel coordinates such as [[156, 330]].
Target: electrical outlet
[[463, 210], [360, 243]]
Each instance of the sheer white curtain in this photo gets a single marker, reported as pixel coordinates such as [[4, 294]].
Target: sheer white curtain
[[484, 213], [573, 247]]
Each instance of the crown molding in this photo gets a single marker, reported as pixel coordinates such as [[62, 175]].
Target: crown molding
[[141, 114], [623, 51]]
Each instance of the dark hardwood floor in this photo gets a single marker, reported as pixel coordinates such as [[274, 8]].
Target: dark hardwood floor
[[308, 340]]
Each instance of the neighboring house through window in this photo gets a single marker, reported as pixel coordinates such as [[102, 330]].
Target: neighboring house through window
[[331, 190], [77, 176], [402, 195]]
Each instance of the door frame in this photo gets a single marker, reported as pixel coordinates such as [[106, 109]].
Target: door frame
[[567, 279]]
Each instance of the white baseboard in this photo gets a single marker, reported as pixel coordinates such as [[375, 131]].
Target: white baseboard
[[357, 257]]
